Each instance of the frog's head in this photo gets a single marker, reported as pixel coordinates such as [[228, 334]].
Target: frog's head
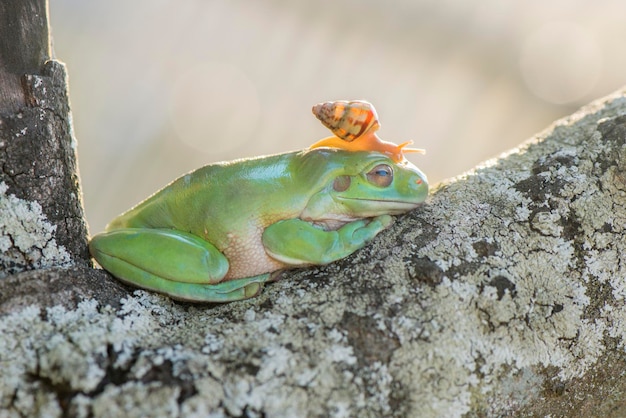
[[361, 184]]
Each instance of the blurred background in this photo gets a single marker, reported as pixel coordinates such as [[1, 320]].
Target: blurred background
[[160, 87]]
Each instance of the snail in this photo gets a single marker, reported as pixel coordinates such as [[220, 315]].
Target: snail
[[347, 120], [354, 124]]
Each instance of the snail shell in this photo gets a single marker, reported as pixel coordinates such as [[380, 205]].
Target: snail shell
[[347, 120]]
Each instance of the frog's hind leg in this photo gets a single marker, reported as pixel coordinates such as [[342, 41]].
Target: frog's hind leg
[[165, 253], [179, 264], [228, 291]]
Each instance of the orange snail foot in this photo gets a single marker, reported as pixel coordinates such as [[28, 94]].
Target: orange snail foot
[[369, 143]]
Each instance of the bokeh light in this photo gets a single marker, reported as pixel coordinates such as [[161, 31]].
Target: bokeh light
[[195, 112], [561, 62]]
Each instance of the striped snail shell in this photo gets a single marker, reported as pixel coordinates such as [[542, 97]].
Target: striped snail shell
[[347, 119]]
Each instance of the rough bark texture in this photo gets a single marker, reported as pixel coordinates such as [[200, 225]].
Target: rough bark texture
[[502, 295], [39, 188], [24, 47]]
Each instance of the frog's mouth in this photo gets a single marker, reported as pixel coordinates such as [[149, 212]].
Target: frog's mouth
[[360, 208], [383, 203]]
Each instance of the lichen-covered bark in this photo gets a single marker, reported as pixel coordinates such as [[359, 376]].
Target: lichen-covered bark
[[38, 168], [41, 215], [502, 295]]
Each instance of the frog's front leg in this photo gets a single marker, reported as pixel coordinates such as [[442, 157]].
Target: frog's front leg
[[297, 242], [176, 263]]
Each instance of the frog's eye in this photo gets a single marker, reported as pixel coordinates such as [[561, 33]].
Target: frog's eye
[[341, 183], [381, 175]]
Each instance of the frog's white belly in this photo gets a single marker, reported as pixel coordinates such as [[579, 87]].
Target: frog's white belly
[[247, 257]]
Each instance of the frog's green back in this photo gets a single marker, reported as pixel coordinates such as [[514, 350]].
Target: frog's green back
[[223, 198]]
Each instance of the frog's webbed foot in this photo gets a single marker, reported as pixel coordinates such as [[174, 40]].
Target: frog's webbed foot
[[297, 242], [178, 264]]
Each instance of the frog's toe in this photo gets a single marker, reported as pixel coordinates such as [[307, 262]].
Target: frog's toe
[[252, 290]]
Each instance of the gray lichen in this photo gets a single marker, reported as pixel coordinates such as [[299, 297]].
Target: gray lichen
[[26, 237], [504, 293]]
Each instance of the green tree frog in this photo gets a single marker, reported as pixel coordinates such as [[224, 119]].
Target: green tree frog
[[219, 233]]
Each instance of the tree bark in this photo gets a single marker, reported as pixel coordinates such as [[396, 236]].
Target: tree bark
[[502, 295], [41, 220]]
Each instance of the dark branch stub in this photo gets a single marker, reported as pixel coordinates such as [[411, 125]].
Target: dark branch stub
[[37, 148]]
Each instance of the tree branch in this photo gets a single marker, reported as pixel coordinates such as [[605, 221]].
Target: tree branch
[[24, 46], [41, 222], [503, 294]]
